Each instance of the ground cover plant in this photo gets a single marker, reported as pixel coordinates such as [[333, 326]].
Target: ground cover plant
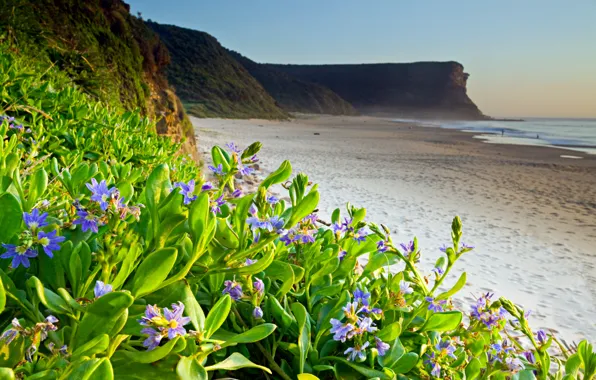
[[119, 260]]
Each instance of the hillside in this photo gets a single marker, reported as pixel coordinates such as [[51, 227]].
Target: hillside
[[108, 53], [209, 81], [421, 89], [293, 94]]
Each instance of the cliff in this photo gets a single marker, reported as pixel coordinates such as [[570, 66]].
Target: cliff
[[209, 81], [421, 89], [293, 94], [106, 52]]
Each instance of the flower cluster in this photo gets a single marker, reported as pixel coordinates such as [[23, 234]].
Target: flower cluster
[[483, 311], [105, 201], [303, 233], [168, 325], [31, 239], [442, 353], [38, 333], [356, 325]]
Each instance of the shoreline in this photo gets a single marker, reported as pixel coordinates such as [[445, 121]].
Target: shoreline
[[530, 213]]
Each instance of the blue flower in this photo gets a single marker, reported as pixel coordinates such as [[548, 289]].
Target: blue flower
[[541, 336], [233, 147], [446, 348], [87, 221], [366, 325], [272, 199], [20, 255], [360, 235], [361, 296], [443, 248], [175, 320], [257, 313], [35, 220], [341, 255], [357, 352], [259, 285], [408, 248], [100, 192], [249, 262], [439, 271], [207, 186], [245, 170], [340, 330], [187, 190], [435, 305], [382, 246], [382, 347], [49, 241], [217, 169], [514, 364], [466, 247], [216, 205], [276, 223], [170, 324], [530, 357], [234, 289], [237, 193], [405, 288], [101, 289], [154, 338]]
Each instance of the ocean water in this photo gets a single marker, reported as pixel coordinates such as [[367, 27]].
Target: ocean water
[[574, 134]]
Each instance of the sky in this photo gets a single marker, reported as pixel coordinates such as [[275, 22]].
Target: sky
[[524, 57]]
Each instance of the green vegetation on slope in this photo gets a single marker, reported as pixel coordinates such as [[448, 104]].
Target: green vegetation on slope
[[209, 81], [293, 94], [108, 53]]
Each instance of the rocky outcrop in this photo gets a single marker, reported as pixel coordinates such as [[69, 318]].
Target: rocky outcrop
[[421, 89], [293, 94]]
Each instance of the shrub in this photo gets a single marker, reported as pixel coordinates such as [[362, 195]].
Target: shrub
[[120, 261]]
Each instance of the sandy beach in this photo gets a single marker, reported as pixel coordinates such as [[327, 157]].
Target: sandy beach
[[530, 212]]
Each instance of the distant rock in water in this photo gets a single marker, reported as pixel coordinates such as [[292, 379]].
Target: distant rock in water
[[209, 81], [293, 94], [420, 89]]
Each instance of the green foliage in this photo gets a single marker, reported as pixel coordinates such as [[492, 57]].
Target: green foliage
[[119, 261], [209, 81]]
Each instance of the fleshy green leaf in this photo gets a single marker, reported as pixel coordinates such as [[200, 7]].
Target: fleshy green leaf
[[217, 315], [445, 321], [153, 271], [301, 316], [234, 362], [191, 369]]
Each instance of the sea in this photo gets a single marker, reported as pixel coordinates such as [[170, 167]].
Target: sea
[[572, 134]]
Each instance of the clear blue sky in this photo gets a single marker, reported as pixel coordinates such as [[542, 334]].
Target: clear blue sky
[[525, 57]]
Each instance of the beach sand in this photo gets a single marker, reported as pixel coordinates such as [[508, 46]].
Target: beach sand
[[530, 212]]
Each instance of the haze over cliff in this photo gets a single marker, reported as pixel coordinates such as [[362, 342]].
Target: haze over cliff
[[420, 89]]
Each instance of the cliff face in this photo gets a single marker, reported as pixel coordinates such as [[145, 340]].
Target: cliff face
[[293, 94], [108, 53], [209, 81], [421, 89]]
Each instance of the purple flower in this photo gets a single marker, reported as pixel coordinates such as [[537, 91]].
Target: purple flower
[[305, 236], [356, 352], [233, 147], [154, 338], [216, 205], [341, 255], [217, 169], [187, 190], [20, 255], [351, 310], [272, 199], [443, 248], [340, 330], [382, 246], [100, 192], [88, 221], [436, 370], [249, 262], [152, 312], [362, 297], [408, 248], [257, 313], [49, 241], [101, 289], [259, 285], [382, 347], [360, 235], [245, 170], [530, 357], [338, 228], [435, 305], [34, 219], [514, 364], [252, 210], [466, 247], [8, 336], [366, 325], [446, 348], [482, 312], [237, 193], [175, 320], [541, 336], [439, 271], [234, 289], [207, 186], [254, 158], [405, 288], [276, 223]]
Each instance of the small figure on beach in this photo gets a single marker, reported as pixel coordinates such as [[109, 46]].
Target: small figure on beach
[[537, 136], [502, 132]]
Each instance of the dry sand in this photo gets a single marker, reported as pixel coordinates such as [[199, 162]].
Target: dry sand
[[530, 212]]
